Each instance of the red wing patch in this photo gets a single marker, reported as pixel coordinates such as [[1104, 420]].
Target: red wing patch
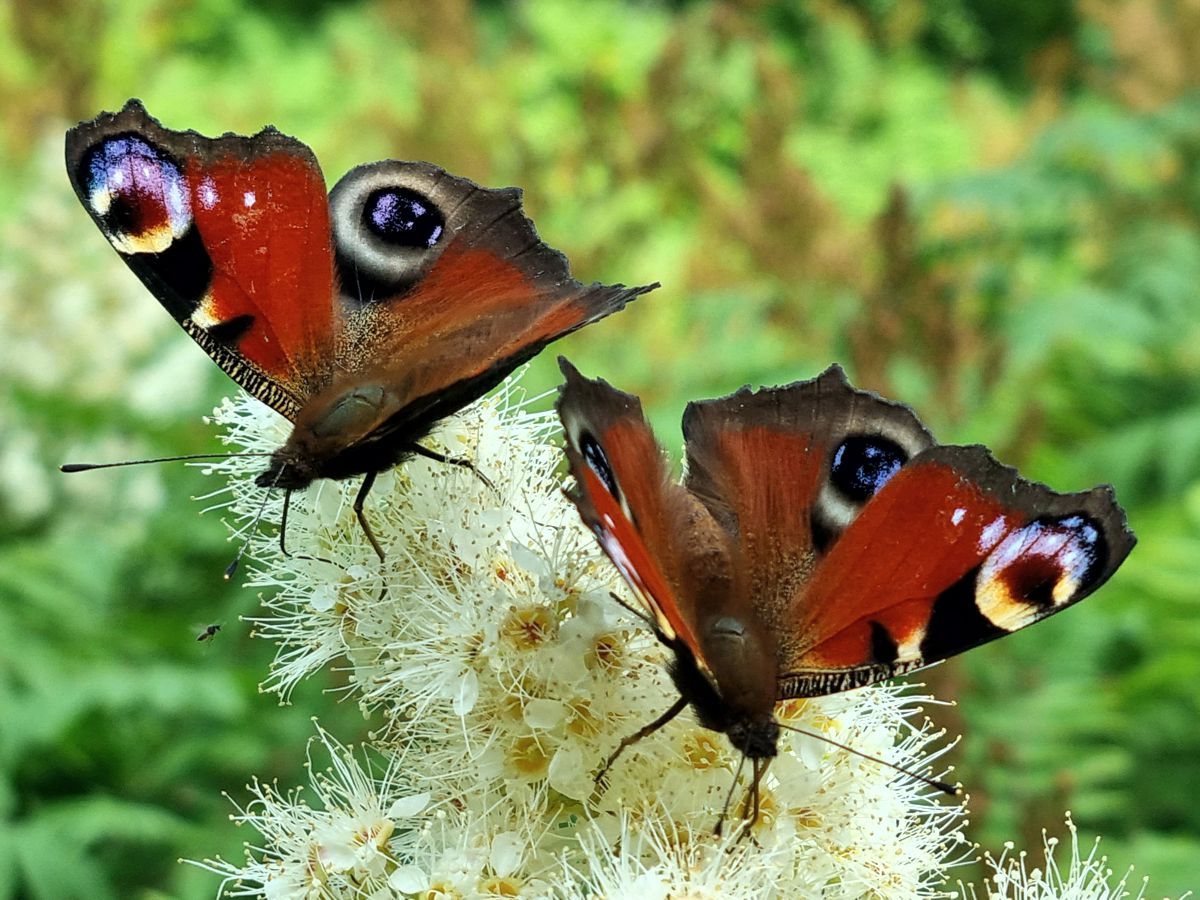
[[622, 544], [651, 529], [232, 236], [954, 551], [265, 225]]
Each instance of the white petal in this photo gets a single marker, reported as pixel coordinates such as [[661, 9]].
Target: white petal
[[649, 886], [407, 807], [408, 880], [335, 846], [323, 597], [507, 852], [567, 773], [527, 559], [328, 504], [543, 714], [467, 694], [570, 664]]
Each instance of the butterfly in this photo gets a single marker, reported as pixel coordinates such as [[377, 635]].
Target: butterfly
[[363, 316], [820, 541]]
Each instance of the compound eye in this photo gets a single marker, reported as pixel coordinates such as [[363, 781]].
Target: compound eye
[[863, 464]]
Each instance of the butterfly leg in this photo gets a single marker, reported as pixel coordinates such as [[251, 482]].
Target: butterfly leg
[[362, 518], [676, 709], [753, 804], [287, 502], [720, 826], [422, 450]]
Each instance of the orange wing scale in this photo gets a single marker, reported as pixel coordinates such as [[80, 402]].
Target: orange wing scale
[[265, 225]]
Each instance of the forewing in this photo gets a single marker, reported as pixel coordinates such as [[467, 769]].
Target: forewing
[[231, 234], [663, 542], [447, 286], [762, 461], [953, 551]]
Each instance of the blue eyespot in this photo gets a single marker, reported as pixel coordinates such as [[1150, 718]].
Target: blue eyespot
[[403, 217], [597, 461], [1046, 562], [862, 464], [138, 192]]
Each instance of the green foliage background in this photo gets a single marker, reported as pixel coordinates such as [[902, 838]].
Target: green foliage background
[[990, 211]]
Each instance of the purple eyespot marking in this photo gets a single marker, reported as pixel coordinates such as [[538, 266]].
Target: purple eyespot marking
[[862, 464], [992, 533], [1044, 564], [597, 461], [138, 192], [403, 217]]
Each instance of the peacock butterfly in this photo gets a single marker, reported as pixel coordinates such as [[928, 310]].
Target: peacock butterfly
[[364, 316], [820, 541]]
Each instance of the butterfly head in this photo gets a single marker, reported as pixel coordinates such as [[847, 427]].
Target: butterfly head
[[758, 738], [288, 471]]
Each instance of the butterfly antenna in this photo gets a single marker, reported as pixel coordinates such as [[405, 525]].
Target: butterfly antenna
[[232, 567], [85, 467], [943, 786]]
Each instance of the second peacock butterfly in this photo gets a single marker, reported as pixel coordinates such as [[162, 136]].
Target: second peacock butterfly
[[820, 541], [364, 316]]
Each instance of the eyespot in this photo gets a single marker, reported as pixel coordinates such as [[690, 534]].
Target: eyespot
[[403, 217], [862, 464], [593, 454], [1044, 564], [387, 233], [138, 192]]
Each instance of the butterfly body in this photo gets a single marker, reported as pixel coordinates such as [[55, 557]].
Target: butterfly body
[[364, 315], [820, 541], [340, 433], [743, 664]]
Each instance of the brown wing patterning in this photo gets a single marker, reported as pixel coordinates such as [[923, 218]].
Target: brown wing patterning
[[449, 280], [663, 542], [762, 462]]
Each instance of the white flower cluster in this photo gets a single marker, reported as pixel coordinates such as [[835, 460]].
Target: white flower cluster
[[1086, 878], [501, 674]]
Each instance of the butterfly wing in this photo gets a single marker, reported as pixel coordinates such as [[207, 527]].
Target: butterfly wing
[[953, 551], [868, 550], [231, 234], [404, 275], [447, 286], [759, 461], [664, 543]]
